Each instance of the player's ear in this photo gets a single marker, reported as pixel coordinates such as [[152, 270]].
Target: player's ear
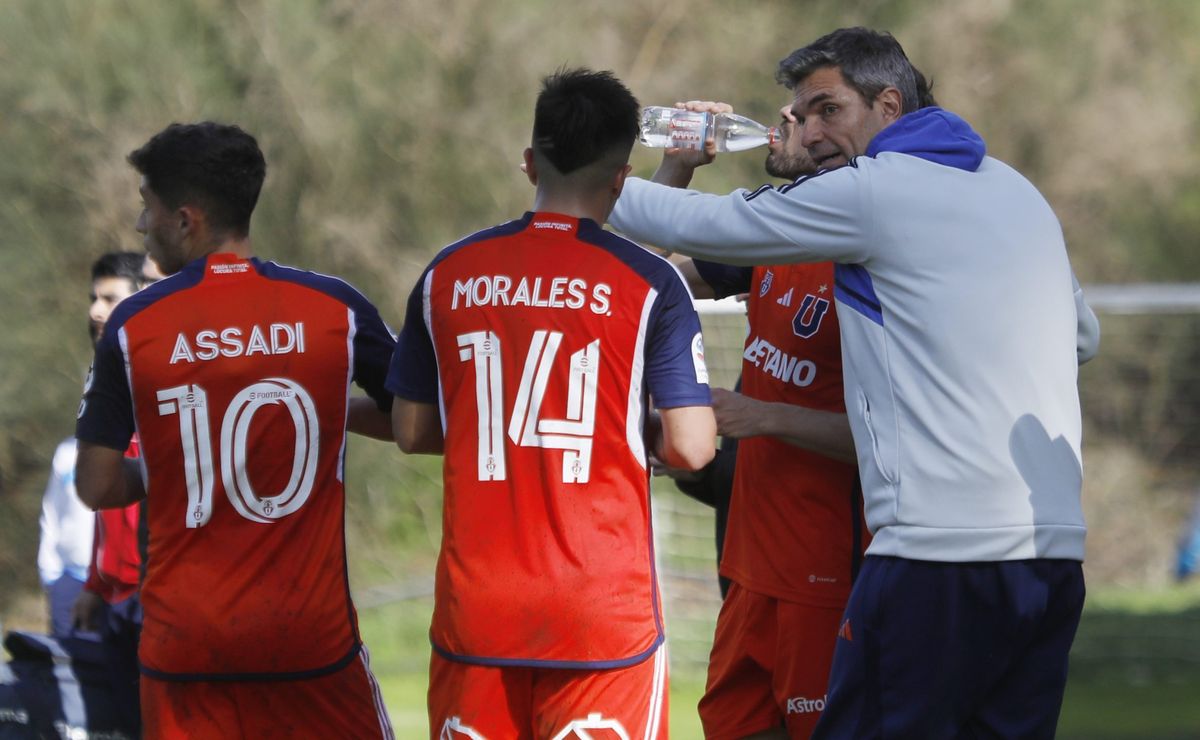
[[619, 180], [529, 168], [192, 224]]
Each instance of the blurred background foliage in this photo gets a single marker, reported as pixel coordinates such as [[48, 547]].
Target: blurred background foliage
[[392, 127]]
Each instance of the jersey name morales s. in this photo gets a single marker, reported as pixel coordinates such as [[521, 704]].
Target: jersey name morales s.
[[557, 292]]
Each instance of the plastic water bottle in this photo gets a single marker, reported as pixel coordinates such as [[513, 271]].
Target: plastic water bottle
[[674, 127]]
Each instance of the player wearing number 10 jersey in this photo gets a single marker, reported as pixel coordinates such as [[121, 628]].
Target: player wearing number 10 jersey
[[535, 344], [236, 374]]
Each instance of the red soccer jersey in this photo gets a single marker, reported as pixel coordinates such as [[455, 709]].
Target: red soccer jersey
[[795, 527], [540, 339], [116, 563], [236, 373]]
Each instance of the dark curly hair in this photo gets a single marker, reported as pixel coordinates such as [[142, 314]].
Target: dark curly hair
[[214, 166]]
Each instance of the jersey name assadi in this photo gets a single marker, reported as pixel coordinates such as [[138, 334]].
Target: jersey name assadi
[[234, 341], [556, 292]]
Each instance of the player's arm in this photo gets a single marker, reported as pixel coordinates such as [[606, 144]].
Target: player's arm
[[370, 415], [687, 437], [417, 427], [691, 275], [363, 416], [824, 432], [105, 478]]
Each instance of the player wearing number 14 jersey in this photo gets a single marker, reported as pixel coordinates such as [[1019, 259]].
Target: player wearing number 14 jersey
[[236, 373], [527, 355]]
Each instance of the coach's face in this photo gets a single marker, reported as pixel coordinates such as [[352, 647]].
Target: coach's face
[[836, 124], [162, 231]]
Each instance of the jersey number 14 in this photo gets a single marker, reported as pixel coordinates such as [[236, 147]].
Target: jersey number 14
[[526, 427]]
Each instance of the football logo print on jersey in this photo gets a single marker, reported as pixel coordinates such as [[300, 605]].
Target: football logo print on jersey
[[807, 320]]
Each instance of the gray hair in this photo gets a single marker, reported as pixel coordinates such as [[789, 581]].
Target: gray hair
[[869, 61]]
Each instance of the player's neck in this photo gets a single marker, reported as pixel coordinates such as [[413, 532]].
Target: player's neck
[[239, 247], [595, 207]]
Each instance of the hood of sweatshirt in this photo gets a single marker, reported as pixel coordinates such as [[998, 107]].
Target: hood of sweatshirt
[[935, 135]]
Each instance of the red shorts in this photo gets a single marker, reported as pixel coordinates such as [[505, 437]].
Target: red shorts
[[769, 666], [345, 704], [469, 702]]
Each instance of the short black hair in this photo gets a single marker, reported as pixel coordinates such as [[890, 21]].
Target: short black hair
[[126, 265], [869, 62], [217, 167], [581, 116]]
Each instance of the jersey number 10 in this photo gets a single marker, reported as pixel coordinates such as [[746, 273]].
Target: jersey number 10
[[526, 428], [190, 402]]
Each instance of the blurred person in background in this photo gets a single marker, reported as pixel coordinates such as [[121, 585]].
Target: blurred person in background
[[962, 329], [109, 603], [66, 547], [1187, 560]]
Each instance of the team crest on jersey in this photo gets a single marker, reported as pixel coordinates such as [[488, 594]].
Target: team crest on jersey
[[698, 359], [765, 285], [807, 320]]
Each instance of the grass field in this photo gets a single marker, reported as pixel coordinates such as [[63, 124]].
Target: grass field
[[1135, 670]]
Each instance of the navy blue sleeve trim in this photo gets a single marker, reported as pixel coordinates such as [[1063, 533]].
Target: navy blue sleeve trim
[[798, 181], [105, 415], [412, 372]]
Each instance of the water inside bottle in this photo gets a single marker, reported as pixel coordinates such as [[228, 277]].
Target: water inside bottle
[[668, 127], [737, 134], [663, 127]]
